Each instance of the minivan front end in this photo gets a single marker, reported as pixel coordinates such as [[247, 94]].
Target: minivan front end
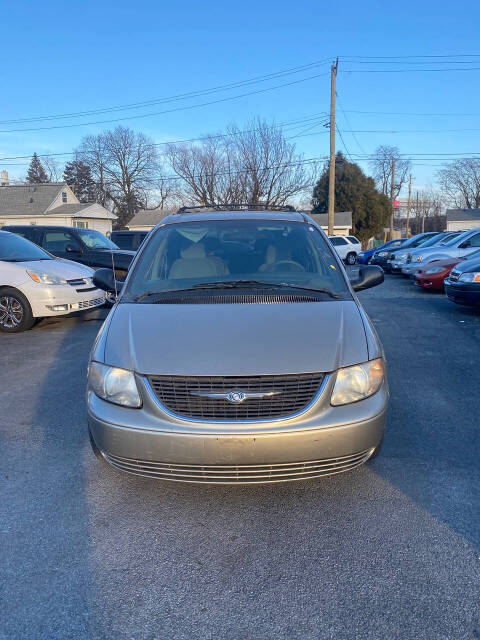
[[265, 375]]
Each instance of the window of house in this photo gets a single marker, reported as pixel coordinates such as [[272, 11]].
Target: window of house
[[64, 196], [80, 224]]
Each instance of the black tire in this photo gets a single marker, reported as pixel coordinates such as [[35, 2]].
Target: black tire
[[377, 449], [351, 258], [15, 311]]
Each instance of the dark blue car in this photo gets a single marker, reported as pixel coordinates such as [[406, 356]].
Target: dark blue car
[[364, 256], [463, 284]]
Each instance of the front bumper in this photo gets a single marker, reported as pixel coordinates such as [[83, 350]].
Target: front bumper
[[321, 441], [411, 268], [396, 265], [465, 293], [47, 300]]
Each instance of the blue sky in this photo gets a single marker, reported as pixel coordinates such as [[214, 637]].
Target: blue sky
[[60, 57]]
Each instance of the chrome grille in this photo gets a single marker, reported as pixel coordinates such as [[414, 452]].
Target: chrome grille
[[290, 394], [239, 474], [237, 298]]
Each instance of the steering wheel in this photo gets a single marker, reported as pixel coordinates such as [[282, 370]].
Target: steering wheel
[[281, 264]]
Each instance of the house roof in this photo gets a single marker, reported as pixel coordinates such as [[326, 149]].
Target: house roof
[[463, 215], [28, 199], [148, 218], [342, 218], [82, 210]]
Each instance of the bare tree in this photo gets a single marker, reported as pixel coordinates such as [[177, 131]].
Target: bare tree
[[53, 168], [460, 182], [381, 165], [253, 166], [124, 166]]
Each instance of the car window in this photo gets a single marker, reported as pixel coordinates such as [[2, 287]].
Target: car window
[[124, 240], [353, 239], [337, 241], [14, 248], [95, 239], [456, 239], [475, 240], [57, 241], [275, 252]]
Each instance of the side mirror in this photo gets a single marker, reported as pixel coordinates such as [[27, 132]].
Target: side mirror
[[368, 276], [105, 279], [70, 248]]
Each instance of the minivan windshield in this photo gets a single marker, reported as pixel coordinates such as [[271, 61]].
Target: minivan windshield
[[223, 254], [14, 248]]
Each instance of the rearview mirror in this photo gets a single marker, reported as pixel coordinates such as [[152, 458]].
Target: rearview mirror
[[368, 276], [105, 279]]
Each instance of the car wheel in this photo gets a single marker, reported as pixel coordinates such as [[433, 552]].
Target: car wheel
[[351, 258], [15, 312], [377, 449]]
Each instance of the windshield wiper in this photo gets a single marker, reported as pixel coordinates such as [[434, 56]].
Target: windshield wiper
[[232, 284]]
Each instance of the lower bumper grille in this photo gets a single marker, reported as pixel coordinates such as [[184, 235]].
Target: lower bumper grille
[[239, 474], [86, 304]]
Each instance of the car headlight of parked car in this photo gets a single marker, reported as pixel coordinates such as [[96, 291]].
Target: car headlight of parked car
[[45, 278], [418, 258], [435, 270], [114, 385], [401, 257], [472, 276], [382, 254], [361, 254], [358, 382]]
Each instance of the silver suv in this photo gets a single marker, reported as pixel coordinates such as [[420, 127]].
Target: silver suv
[[237, 352]]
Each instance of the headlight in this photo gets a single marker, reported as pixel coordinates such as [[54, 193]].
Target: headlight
[[472, 276], [401, 256], [45, 278], [114, 384], [382, 254], [418, 258], [357, 382], [435, 270], [361, 254]]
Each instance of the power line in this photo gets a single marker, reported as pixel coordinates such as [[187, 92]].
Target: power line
[[343, 141], [175, 109], [174, 98], [406, 113], [349, 125], [408, 70]]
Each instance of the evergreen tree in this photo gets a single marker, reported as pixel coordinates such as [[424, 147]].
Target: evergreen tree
[[355, 192], [78, 176], [36, 173]]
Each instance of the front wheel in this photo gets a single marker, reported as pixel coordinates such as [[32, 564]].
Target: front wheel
[[351, 258], [15, 312]]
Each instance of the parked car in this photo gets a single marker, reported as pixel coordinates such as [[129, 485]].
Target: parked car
[[382, 257], [204, 372], [347, 247], [34, 284], [458, 246], [432, 276], [398, 257], [463, 284], [411, 266], [128, 239], [86, 246], [364, 257]]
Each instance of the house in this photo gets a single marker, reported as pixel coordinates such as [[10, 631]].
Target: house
[[146, 219], [342, 222], [50, 203], [462, 219]]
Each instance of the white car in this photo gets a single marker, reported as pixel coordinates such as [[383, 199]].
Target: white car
[[347, 247], [34, 284]]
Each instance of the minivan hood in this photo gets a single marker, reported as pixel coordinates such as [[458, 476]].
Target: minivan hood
[[234, 339], [61, 268]]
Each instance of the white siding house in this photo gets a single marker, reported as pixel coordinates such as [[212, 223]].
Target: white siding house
[[51, 203], [462, 219]]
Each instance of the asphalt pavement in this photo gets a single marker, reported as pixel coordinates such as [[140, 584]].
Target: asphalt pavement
[[389, 551]]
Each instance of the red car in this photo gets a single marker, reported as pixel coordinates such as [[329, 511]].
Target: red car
[[432, 275]]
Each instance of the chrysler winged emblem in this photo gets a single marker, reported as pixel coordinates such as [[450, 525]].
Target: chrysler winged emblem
[[235, 396]]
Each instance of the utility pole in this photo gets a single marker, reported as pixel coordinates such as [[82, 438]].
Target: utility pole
[[392, 197], [407, 230], [417, 215], [331, 177]]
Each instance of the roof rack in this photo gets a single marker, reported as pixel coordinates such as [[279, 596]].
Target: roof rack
[[238, 207]]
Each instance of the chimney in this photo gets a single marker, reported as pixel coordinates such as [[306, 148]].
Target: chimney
[[4, 179]]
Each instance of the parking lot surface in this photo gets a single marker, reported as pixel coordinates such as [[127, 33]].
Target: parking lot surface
[[389, 551]]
